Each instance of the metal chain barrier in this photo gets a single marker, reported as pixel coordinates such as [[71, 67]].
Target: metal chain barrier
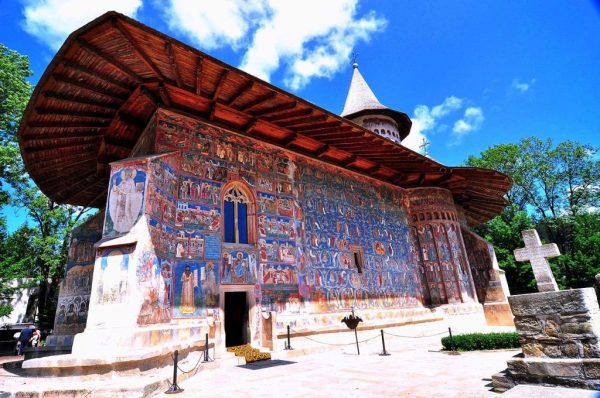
[[416, 337], [335, 344], [192, 369]]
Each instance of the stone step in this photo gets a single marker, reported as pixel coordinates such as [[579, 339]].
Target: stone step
[[502, 382]]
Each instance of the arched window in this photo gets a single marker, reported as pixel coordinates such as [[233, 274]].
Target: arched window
[[235, 212]]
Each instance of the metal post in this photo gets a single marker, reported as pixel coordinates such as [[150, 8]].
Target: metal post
[[288, 345], [174, 389], [206, 358], [356, 337], [384, 353], [452, 346]]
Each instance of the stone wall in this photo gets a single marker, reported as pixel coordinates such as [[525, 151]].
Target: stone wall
[[559, 334], [563, 324]]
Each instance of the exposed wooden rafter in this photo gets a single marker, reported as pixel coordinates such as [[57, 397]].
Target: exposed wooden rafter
[[173, 63], [108, 58]]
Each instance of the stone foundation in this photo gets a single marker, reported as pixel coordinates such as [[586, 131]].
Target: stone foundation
[[559, 335]]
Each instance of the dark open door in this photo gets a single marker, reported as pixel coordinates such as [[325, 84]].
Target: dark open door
[[236, 319]]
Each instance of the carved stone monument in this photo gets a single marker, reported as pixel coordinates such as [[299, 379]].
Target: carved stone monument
[[536, 253], [559, 331]]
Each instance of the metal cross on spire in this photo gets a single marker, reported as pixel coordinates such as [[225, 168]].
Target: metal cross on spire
[[354, 60], [424, 145]]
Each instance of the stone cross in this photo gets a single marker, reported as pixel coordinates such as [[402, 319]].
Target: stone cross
[[536, 253]]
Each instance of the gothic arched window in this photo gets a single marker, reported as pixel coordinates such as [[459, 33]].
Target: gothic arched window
[[235, 212]]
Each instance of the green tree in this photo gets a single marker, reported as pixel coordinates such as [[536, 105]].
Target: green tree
[[38, 249], [555, 189], [15, 265], [15, 91]]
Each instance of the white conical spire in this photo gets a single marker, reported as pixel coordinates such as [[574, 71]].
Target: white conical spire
[[360, 96]]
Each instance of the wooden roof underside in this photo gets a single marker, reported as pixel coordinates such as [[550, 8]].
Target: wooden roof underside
[[109, 77]]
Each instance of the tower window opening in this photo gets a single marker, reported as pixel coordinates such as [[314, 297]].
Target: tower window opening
[[357, 259]]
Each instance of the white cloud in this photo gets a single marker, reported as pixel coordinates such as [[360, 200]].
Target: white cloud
[[471, 121], [426, 120], [211, 24], [304, 39], [522, 87], [51, 21]]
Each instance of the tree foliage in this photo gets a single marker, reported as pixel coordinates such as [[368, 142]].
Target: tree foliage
[[556, 189], [37, 251]]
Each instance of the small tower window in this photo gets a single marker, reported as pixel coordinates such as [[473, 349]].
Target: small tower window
[[357, 259]]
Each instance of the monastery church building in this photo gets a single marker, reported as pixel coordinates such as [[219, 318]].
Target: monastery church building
[[231, 207]]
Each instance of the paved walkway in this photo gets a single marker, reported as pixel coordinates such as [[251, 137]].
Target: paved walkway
[[319, 367], [416, 368]]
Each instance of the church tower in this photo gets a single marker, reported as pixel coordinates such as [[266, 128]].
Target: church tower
[[364, 109]]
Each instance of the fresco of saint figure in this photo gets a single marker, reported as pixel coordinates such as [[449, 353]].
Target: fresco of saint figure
[[210, 286], [189, 281], [125, 200]]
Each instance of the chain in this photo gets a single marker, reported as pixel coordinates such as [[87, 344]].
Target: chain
[[193, 368], [416, 337], [335, 344]]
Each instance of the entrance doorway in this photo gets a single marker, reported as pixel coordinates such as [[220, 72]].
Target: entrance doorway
[[236, 319]]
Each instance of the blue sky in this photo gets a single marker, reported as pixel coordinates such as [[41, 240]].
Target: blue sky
[[470, 74]]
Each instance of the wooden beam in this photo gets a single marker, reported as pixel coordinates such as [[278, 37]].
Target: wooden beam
[[65, 163], [275, 109], [250, 126], [78, 132], [219, 85], [164, 95], [350, 160], [321, 151], [108, 58], [317, 126], [290, 115], [199, 63], [43, 144], [93, 115], [347, 139], [137, 50], [90, 72], [131, 119], [257, 101], [304, 121], [336, 137], [373, 169], [97, 123], [243, 90], [323, 132], [173, 63], [289, 139], [98, 90], [75, 99]]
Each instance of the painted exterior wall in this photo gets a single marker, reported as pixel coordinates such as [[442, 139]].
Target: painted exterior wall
[[75, 288], [163, 265]]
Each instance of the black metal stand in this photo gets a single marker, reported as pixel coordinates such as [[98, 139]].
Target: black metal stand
[[384, 353], [452, 346], [206, 357], [288, 345], [356, 337], [174, 389]]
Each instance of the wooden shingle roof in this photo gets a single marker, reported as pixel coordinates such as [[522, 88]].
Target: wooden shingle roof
[[108, 78]]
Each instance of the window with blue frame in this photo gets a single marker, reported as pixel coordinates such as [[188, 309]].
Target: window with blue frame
[[235, 215]]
